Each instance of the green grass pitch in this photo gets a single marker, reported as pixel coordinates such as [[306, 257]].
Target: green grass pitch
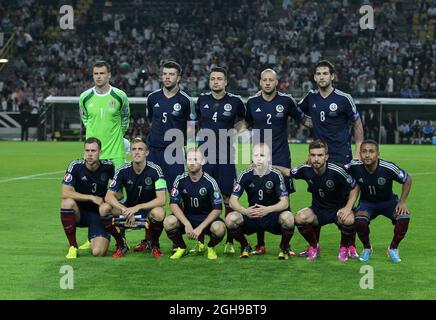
[[33, 244]]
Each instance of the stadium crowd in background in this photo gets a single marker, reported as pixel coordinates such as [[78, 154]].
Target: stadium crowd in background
[[245, 37]]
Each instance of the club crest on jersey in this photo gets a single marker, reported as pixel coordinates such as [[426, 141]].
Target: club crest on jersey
[[236, 187], [227, 107], [203, 191], [68, 177], [112, 104], [349, 179], [330, 184], [148, 181], [333, 107], [269, 185], [381, 181], [279, 108], [217, 195], [104, 177], [177, 107], [174, 192]]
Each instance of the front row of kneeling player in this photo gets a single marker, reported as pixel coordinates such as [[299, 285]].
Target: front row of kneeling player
[[196, 202]]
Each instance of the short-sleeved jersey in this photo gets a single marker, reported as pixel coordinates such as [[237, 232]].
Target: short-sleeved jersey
[[330, 190], [140, 188], [274, 115], [331, 118], [107, 118], [377, 186], [85, 181], [197, 198], [168, 113], [219, 114], [265, 190]]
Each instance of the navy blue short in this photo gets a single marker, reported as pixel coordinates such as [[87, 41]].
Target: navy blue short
[[170, 171], [269, 223], [196, 220], [91, 219], [289, 182], [290, 186], [144, 213], [385, 208], [325, 216], [224, 174]]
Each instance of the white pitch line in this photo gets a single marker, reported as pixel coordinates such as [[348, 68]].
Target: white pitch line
[[422, 173], [31, 176], [36, 176]]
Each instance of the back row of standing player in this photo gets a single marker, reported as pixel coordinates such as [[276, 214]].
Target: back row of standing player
[[328, 110]]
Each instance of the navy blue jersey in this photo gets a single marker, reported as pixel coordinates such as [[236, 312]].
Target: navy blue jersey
[[220, 114], [274, 115], [140, 188], [377, 186], [266, 190], [197, 198], [85, 181], [329, 191], [168, 113], [331, 118]]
